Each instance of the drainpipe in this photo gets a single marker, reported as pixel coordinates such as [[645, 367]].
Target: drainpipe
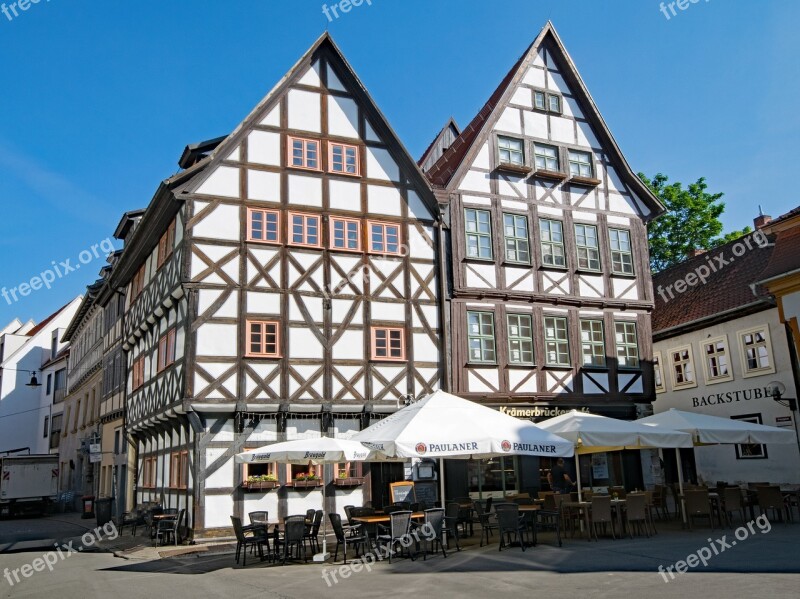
[[443, 303]]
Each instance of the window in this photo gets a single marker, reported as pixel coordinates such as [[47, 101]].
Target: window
[[304, 153], [263, 339], [76, 417], [349, 470], [480, 337], [384, 238], [46, 426], [540, 100], [137, 284], [516, 235], [263, 225], [166, 243], [621, 254], [580, 164], [552, 235], [54, 345], [750, 451], [520, 339], [546, 158], [138, 373], [715, 360], [149, 473], [556, 341], [345, 234], [587, 247], [343, 158], [477, 224], [55, 431], [593, 344], [554, 103], [117, 441], [547, 101], [166, 350], [756, 351], [682, 367], [49, 386], [511, 151], [179, 470], [388, 343], [658, 373], [305, 229], [627, 344], [66, 420]]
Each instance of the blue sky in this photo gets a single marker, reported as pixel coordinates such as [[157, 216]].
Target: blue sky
[[99, 98]]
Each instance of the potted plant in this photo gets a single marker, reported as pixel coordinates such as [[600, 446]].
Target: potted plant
[[305, 479], [260, 482]]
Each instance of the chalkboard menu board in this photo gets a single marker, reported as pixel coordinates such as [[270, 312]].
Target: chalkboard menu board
[[403, 491], [426, 493]]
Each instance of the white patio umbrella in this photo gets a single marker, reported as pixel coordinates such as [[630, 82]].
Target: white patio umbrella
[[320, 450], [709, 430], [592, 433], [442, 425]]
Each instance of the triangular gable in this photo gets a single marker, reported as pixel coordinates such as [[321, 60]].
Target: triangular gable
[[443, 140], [301, 80], [454, 165]]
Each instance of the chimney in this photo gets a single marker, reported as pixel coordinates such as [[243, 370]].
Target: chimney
[[762, 220], [694, 253]]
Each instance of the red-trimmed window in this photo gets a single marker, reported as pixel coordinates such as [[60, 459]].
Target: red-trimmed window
[[149, 473], [384, 238], [388, 343], [263, 339], [304, 153], [263, 225], [166, 243], [343, 159], [179, 470], [345, 234], [304, 229], [138, 373], [166, 350]]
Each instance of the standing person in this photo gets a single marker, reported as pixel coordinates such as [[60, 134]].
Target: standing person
[[559, 479]]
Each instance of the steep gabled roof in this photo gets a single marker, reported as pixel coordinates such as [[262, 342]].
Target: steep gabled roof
[[453, 162], [732, 288], [785, 257], [451, 128]]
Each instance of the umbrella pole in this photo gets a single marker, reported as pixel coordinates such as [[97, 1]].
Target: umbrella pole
[[578, 475], [441, 491], [680, 482], [321, 557]]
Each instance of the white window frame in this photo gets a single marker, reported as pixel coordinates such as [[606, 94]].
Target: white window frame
[[746, 372], [675, 384], [712, 380], [658, 364]]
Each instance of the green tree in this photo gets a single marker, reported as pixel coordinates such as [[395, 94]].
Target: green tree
[[690, 222]]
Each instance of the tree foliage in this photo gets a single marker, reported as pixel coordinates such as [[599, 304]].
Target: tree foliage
[[690, 222]]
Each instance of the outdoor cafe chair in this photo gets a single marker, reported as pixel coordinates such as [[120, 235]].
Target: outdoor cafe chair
[[510, 524], [432, 527], [170, 511], [394, 507], [660, 501], [771, 498], [312, 535], [451, 515], [636, 513], [352, 536], [396, 532], [348, 511], [601, 515], [293, 537], [245, 539], [548, 520], [259, 518], [170, 527], [698, 504], [485, 520], [732, 502]]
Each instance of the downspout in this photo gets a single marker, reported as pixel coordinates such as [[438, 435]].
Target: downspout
[[443, 303]]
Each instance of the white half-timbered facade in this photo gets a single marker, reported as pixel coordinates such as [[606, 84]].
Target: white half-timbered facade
[[284, 284]]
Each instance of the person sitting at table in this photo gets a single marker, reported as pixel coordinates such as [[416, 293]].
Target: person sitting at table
[[559, 479]]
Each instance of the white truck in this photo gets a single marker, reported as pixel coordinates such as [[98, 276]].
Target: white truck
[[28, 482]]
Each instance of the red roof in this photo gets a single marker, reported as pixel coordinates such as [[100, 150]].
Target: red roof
[[726, 289], [786, 255], [46, 321]]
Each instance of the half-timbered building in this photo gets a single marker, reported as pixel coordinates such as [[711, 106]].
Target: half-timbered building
[[551, 302], [283, 284]]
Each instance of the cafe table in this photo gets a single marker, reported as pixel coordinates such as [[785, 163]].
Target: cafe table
[[584, 507]]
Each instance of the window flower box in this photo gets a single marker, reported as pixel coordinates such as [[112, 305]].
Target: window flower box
[[350, 481], [260, 483], [305, 484]]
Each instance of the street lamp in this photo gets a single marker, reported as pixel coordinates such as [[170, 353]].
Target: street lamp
[[777, 389], [34, 382]]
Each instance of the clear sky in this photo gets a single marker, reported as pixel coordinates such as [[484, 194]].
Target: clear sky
[[99, 98]]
